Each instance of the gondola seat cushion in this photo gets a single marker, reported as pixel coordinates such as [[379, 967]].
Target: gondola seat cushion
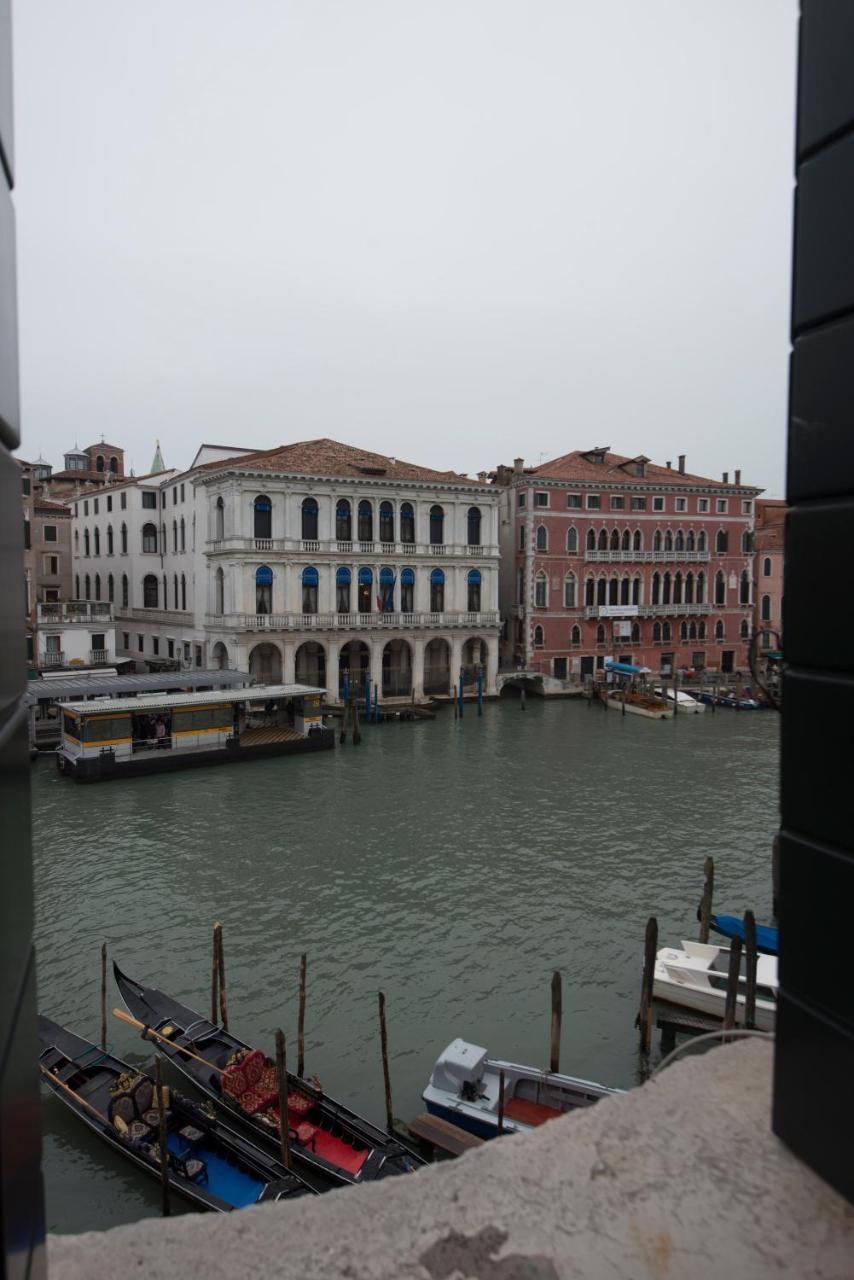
[[138, 1131], [122, 1105], [196, 1170], [254, 1066], [143, 1097], [305, 1134], [299, 1103], [234, 1082], [152, 1118]]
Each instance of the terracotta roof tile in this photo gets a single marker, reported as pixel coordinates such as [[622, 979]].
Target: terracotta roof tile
[[332, 458], [575, 466]]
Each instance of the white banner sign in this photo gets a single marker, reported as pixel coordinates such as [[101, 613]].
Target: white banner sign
[[623, 629], [618, 611]]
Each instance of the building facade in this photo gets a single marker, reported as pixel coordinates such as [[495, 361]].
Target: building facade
[[770, 535], [47, 553], [616, 557]]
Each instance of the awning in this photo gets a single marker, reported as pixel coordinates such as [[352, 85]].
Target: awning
[[627, 669]]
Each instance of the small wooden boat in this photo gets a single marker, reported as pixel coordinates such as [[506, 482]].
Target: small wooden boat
[[728, 700], [209, 1164], [767, 937], [696, 976], [327, 1139], [639, 704], [465, 1083], [684, 701]]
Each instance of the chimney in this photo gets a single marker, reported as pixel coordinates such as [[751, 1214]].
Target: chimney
[[668, 465], [518, 465], [726, 477], [738, 477], [481, 475], [682, 464]]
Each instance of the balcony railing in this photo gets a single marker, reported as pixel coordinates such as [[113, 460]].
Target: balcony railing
[[52, 658], [648, 557], [649, 610], [177, 617], [339, 546], [98, 657], [348, 621], [59, 612]]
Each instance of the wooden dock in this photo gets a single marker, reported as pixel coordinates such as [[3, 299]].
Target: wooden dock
[[442, 1135], [674, 1019]]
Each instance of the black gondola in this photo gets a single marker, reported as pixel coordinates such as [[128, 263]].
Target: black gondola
[[209, 1164], [326, 1138]]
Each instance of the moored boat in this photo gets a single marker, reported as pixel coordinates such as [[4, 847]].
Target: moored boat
[[465, 1083], [327, 1139], [767, 937], [684, 701], [639, 704], [209, 1165], [696, 976]]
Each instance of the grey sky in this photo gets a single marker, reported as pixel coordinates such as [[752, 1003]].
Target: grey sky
[[453, 230]]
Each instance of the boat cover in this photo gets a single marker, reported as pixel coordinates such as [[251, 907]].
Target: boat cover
[[627, 668], [767, 938]]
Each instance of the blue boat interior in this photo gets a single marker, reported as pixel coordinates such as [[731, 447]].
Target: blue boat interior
[[224, 1179]]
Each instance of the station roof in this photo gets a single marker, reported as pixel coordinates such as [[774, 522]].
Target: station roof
[[109, 686], [168, 701]]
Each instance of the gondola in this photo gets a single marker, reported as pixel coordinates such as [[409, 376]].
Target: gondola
[[209, 1164], [327, 1140]]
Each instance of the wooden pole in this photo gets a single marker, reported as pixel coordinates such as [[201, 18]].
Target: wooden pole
[[706, 900], [522, 698], [730, 1005], [223, 1006], [76, 1096], [214, 980], [282, 1080], [500, 1099], [675, 692], [751, 962], [557, 1012], [161, 1124], [357, 737], [103, 997], [384, 1052], [301, 1020], [644, 1018]]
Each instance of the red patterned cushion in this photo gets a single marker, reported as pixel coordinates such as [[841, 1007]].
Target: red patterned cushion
[[254, 1067], [234, 1082], [252, 1101], [305, 1133], [268, 1080], [299, 1103]]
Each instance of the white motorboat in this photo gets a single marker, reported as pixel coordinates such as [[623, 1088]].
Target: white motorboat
[[639, 704], [696, 976], [684, 701], [464, 1089]]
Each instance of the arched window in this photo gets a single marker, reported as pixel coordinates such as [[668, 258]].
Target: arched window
[[165, 594], [387, 581], [668, 540], [386, 522], [689, 588], [569, 593], [174, 591], [343, 523], [615, 540], [591, 540], [625, 590], [683, 631], [366, 521], [88, 588], [174, 537], [539, 637], [665, 589], [690, 541], [309, 525], [720, 587], [437, 525], [541, 590], [343, 580], [636, 590], [109, 539], [656, 540], [744, 629], [677, 588], [701, 630], [589, 592], [719, 629], [600, 634], [219, 591], [636, 633], [679, 541], [766, 567], [407, 590], [111, 589], [744, 588], [603, 539], [77, 586], [721, 541], [602, 591], [614, 591], [124, 539], [97, 586], [702, 541], [656, 588], [626, 541], [765, 609], [437, 591], [149, 537], [473, 526], [665, 632], [575, 635], [365, 590], [474, 591], [97, 541], [99, 462], [76, 541], [86, 549], [692, 631], [701, 588], [656, 633], [572, 540], [149, 591], [219, 520], [125, 591], [183, 592], [542, 538], [114, 464], [407, 522], [310, 579], [263, 516], [637, 541], [183, 530], [263, 589], [747, 542], [521, 537]]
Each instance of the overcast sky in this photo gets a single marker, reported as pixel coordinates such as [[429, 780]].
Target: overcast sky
[[455, 231]]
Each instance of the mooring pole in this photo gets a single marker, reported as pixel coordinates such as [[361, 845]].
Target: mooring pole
[[461, 693], [557, 1013], [733, 974], [644, 1018], [522, 698], [357, 737], [214, 980], [161, 1124], [480, 693], [706, 900], [220, 955], [104, 997], [376, 702], [301, 1019], [500, 1099], [282, 1082], [389, 1114], [751, 961]]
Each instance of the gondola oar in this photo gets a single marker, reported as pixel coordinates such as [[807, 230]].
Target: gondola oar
[[76, 1096], [149, 1031]]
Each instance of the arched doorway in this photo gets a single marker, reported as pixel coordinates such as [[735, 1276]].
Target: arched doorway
[[437, 667], [397, 669], [311, 664], [475, 654], [265, 664], [354, 666], [220, 656]]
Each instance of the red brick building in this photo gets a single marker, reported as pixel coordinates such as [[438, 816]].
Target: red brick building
[[613, 557], [770, 536]]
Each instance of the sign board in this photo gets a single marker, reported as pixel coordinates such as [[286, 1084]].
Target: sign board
[[623, 629], [618, 610]]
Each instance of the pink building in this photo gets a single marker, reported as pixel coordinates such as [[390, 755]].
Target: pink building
[[612, 557], [769, 542]]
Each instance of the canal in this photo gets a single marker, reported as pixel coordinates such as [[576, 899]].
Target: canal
[[451, 864]]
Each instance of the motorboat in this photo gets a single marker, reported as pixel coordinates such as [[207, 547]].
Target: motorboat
[[465, 1083], [684, 701], [695, 976], [639, 704]]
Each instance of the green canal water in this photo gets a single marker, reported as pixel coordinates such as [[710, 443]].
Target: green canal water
[[453, 865]]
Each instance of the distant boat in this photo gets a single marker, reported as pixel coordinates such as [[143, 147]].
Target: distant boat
[[728, 700], [464, 1090], [209, 1164], [696, 976], [639, 704], [767, 937], [684, 701]]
